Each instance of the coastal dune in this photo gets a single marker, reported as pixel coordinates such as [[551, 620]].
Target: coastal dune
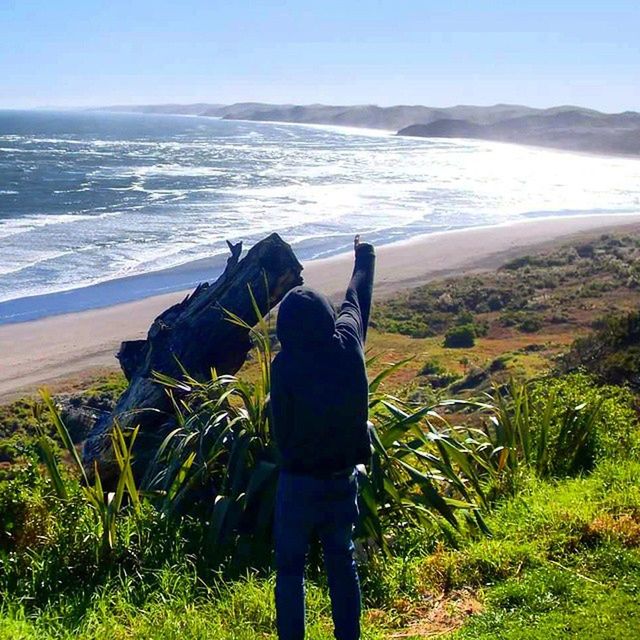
[[59, 347]]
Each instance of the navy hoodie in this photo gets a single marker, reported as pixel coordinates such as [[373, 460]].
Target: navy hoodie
[[319, 388]]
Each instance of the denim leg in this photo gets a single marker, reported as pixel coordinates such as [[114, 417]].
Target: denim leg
[[293, 527], [336, 535]]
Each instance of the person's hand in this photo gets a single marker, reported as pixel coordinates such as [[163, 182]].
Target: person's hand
[[361, 247]]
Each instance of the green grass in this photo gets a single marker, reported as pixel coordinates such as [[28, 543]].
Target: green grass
[[566, 562], [551, 603], [178, 609], [563, 562]]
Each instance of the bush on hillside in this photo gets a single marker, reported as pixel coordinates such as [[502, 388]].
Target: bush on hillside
[[611, 352], [616, 431], [432, 368], [437, 376], [460, 337], [556, 427], [530, 324]]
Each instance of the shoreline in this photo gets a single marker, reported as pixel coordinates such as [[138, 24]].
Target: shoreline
[[373, 132], [37, 296], [58, 347], [181, 278]]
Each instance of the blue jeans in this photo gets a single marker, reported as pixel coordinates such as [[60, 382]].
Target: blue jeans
[[307, 505]]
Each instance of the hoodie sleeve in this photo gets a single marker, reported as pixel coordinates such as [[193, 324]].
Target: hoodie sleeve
[[280, 407], [353, 317]]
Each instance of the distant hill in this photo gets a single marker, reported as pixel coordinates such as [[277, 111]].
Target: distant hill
[[564, 127], [575, 129], [197, 109], [445, 128], [369, 115]]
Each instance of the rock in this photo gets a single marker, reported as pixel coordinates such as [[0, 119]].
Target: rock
[[79, 419]]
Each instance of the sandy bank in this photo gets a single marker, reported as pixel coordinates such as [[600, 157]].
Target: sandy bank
[[33, 353]]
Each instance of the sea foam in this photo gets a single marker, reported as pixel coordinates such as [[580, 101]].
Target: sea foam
[[89, 198]]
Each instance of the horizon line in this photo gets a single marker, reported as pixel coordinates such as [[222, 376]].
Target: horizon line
[[301, 104]]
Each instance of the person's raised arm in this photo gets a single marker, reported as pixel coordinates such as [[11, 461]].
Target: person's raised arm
[[354, 312]]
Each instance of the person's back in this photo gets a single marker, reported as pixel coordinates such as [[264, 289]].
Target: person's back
[[319, 399]]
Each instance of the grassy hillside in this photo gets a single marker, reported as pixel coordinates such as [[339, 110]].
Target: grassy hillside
[[523, 316], [517, 518], [560, 291], [563, 562]]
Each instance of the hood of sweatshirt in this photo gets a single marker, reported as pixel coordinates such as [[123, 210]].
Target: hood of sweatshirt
[[306, 318]]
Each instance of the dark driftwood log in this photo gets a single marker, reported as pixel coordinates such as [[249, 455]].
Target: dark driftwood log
[[197, 335]]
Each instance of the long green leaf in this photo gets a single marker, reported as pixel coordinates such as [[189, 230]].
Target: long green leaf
[[48, 458], [63, 432]]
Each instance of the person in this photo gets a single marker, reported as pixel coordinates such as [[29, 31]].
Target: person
[[319, 403]]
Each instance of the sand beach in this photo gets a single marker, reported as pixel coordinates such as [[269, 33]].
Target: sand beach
[[43, 351]]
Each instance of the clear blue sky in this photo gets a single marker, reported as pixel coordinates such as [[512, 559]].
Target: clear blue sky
[[445, 52]]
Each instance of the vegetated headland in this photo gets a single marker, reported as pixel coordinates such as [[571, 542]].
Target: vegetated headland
[[503, 502], [563, 127]]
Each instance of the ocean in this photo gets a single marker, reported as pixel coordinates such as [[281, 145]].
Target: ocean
[[98, 208]]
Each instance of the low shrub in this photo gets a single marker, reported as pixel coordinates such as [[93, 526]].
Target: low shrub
[[464, 318], [437, 376], [555, 427], [611, 352], [616, 431], [431, 367], [530, 324], [459, 337]]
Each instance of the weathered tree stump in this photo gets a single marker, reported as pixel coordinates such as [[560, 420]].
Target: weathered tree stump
[[196, 335]]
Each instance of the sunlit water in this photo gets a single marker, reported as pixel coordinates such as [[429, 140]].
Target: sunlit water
[[89, 197]]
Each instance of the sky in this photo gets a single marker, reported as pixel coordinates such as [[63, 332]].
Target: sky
[[437, 53]]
